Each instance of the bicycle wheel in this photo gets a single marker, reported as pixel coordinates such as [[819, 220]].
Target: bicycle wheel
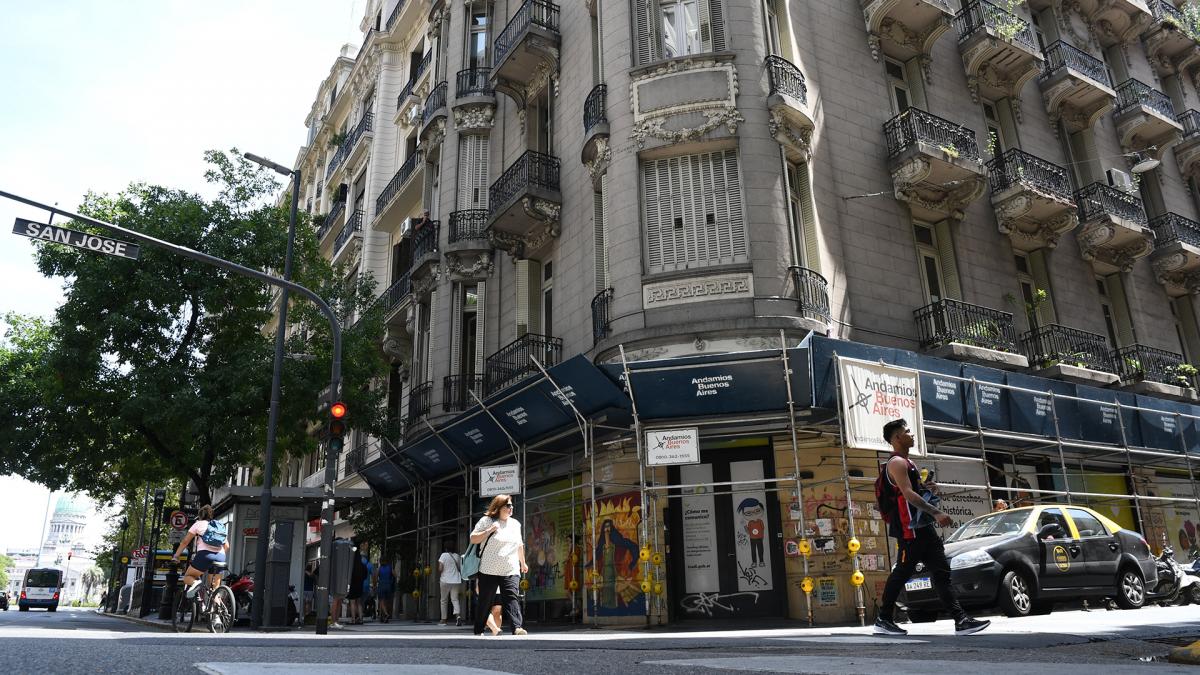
[[220, 610], [185, 613]]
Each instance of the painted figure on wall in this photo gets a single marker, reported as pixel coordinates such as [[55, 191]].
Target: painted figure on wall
[[613, 570], [751, 512]]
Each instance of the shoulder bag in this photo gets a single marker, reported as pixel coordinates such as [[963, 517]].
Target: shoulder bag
[[473, 557]]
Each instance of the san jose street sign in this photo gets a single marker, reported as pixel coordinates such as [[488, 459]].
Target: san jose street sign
[[89, 242]]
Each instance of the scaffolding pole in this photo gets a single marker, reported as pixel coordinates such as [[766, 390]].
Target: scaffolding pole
[[643, 560], [858, 593], [787, 376]]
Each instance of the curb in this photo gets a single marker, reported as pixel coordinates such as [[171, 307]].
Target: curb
[[1189, 655], [138, 620]]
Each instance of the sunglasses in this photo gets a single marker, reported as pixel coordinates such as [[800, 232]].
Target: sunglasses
[[509, 506]]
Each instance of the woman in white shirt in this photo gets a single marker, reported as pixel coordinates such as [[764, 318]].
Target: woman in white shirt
[[501, 563], [449, 581]]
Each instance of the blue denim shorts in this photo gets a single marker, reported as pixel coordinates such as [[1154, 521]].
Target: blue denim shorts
[[203, 560]]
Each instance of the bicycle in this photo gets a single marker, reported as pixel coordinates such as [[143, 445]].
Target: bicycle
[[214, 604]]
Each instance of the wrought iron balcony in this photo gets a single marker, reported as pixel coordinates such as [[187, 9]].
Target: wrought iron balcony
[[527, 45], [1032, 198], [981, 15], [601, 307], [1170, 47], [407, 91], [353, 226], [524, 203], [1060, 55], [785, 78], [457, 390], [468, 224], [1145, 119], [1137, 362], [425, 241], [1099, 201], [998, 49], [347, 146], [1172, 227], [514, 362], [1187, 151], [398, 181], [1134, 93], [395, 14], [356, 458], [904, 30], [1019, 167], [419, 402], [434, 102], [531, 170], [473, 82], [951, 321], [1176, 256], [812, 293], [594, 108], [915, 126], [395, 294], [1075, 85], [1053, 344], [331, 219]]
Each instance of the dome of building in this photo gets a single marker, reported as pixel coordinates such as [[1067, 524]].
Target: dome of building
[[67, 506]]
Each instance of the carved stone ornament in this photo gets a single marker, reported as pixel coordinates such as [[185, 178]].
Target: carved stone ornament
[[464, 266], [475, 117], [796, 138], [426, 283], [397, 349], [882, 27], [1187, 156], [1167, 264], [434, 134], [1093, 244], [548, 227], [730, 117], [718, 107], [598, 164], [909, 184]]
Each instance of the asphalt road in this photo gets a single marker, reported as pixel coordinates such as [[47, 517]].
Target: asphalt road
[[1064, 643]]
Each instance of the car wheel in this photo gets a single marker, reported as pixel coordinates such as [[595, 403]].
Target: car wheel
[[1016, 594], [922, 615], [1131, 590], [1193, 594]]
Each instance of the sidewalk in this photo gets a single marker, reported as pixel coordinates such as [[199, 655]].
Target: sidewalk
[[150, 621]]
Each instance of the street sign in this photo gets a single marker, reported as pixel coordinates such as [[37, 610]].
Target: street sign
[[179, 520], [61, 235], [175, 536]]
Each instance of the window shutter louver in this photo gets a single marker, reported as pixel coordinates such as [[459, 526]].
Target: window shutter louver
[[472, 171], [652, 216], [808, 219], [456, 308], [600, 234], [465, 171], [480, 193], [949, 262], [480, 315], [522, 291], [1120, 308], [427, 369], [712, 28], [702, 193], [1038, 270], [733, 192], [646, 25]]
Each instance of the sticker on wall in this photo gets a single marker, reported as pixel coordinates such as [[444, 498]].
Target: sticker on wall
[[824, 526], [827, 592], [791, 548]]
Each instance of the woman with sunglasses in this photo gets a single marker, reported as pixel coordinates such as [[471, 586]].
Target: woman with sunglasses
[[501, 563]]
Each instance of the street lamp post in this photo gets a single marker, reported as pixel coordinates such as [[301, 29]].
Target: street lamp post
[[264, 502], [160, 495]]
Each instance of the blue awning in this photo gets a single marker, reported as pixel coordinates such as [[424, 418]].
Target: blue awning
[[385, 478]]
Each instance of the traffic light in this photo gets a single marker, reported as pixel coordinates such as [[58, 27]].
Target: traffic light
[[337, 425]]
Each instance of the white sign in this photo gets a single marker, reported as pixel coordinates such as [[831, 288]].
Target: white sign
[[84, 240], [504, 479], [751, 534], [674, 446], [700, 572], [874, 394], [961, 503]]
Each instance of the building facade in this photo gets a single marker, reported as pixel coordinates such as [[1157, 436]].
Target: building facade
[[1008, 184]]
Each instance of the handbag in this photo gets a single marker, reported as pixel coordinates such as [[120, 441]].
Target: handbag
[[473, 557]]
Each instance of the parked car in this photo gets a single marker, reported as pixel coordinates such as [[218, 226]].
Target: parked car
[[4, 601], [1023, 560]]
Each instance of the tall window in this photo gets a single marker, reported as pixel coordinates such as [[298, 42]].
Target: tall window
[[803, 217], [1107, 311], [693, 211], [466, 344], [998, 142], [548, 298], [477, 51], [670, 28], [933, 282], [772, 28], [472, 171], [680, 27], [897, 86], [541, 124], [1182, 330], [1029, 290]]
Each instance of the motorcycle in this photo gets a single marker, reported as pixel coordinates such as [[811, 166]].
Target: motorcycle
[[242, 586], [1174, 582], [1190, 592]]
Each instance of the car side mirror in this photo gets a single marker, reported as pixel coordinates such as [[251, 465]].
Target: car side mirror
[[1049, 530]]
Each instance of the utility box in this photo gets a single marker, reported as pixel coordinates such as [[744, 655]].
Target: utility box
[[339, 575], [279, 560]]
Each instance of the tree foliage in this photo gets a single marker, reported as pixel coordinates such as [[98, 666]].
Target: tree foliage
[[6, 563], [160, 369]]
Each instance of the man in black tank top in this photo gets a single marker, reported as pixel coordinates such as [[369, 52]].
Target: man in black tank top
[[917, 541]]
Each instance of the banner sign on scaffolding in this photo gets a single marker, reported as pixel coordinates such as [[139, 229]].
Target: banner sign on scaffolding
[[672, 446], [502, 479], [874, 394]]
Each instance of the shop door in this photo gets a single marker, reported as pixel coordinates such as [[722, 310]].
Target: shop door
[[725, 540]]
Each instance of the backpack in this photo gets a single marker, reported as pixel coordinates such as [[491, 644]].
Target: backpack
[[885, 495], [215, 534]]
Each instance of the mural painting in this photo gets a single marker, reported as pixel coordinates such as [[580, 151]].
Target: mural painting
[[612, 558]]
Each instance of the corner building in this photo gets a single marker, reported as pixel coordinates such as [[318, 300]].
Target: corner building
[[674, 214]]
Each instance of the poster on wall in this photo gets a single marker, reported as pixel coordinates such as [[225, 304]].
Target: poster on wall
[[553, 561], [502, 479], [613, 555], [962, 504], [699, 531], [874, 394], [1181, 521], [752, 535], [672, 446]]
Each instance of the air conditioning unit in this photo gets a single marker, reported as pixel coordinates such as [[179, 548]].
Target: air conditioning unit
[[406, 227], [414, 116], [1120, 180]]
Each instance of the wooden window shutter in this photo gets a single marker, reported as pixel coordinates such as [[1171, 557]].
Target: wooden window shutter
[[1038, 269], [480, 314], [1120, 308], [647, 30], [712, 26], [427, 358], [949, 261], [732, 196], [808, 219], [456, 309], [465, 170], [522, 291], [693, 211], [653, 216], [600, 234], [472, 171], [480, 191]]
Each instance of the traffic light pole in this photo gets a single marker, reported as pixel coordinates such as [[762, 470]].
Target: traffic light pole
[[335, 378]]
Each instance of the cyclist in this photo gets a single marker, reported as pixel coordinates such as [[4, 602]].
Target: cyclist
[[212, 545]]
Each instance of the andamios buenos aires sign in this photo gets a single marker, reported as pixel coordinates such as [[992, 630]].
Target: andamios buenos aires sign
[[672, 446], [874, 394], [503, 479]]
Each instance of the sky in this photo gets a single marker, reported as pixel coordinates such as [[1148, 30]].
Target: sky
[[100, 94]]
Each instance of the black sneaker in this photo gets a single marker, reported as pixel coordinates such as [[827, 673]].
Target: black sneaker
[[967, 626], [888, 627]]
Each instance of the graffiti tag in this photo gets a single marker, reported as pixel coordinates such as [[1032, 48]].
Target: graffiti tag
[[705, 603]]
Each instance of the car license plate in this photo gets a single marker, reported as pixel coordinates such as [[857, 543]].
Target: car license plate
[[921, 584]]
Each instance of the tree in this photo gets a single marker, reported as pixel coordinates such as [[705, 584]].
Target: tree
[[6, 563], [91, 579], [160, 369]]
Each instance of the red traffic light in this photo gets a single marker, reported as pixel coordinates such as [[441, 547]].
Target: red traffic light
[[337, 411]]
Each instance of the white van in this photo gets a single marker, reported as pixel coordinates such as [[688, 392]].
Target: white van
[[40, 588]]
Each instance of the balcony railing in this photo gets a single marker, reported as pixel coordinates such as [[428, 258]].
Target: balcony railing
[[1172, 227], [785, 78], [395, 14], [355, 459], [456, 391], [594, 107], [533, 13], [433, 102], [407, 91], [601, 308], [1064, 55], [1053, 344], [982, 14], [353, 225], [419, 399], [392, 297], [1099, 200], [1139, 362], [468, 224], [425, 240], [1165, 11], [947, 321], [532, 169], [332, 217], [343, 151], [1190, 120], [473, 82], [513, 362], [393, 431], [398, 181], [812, 293], [915, 125], [1135, 92], [1016, 166]]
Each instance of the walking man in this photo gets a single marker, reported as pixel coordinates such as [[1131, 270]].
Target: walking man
[[911, 520]]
